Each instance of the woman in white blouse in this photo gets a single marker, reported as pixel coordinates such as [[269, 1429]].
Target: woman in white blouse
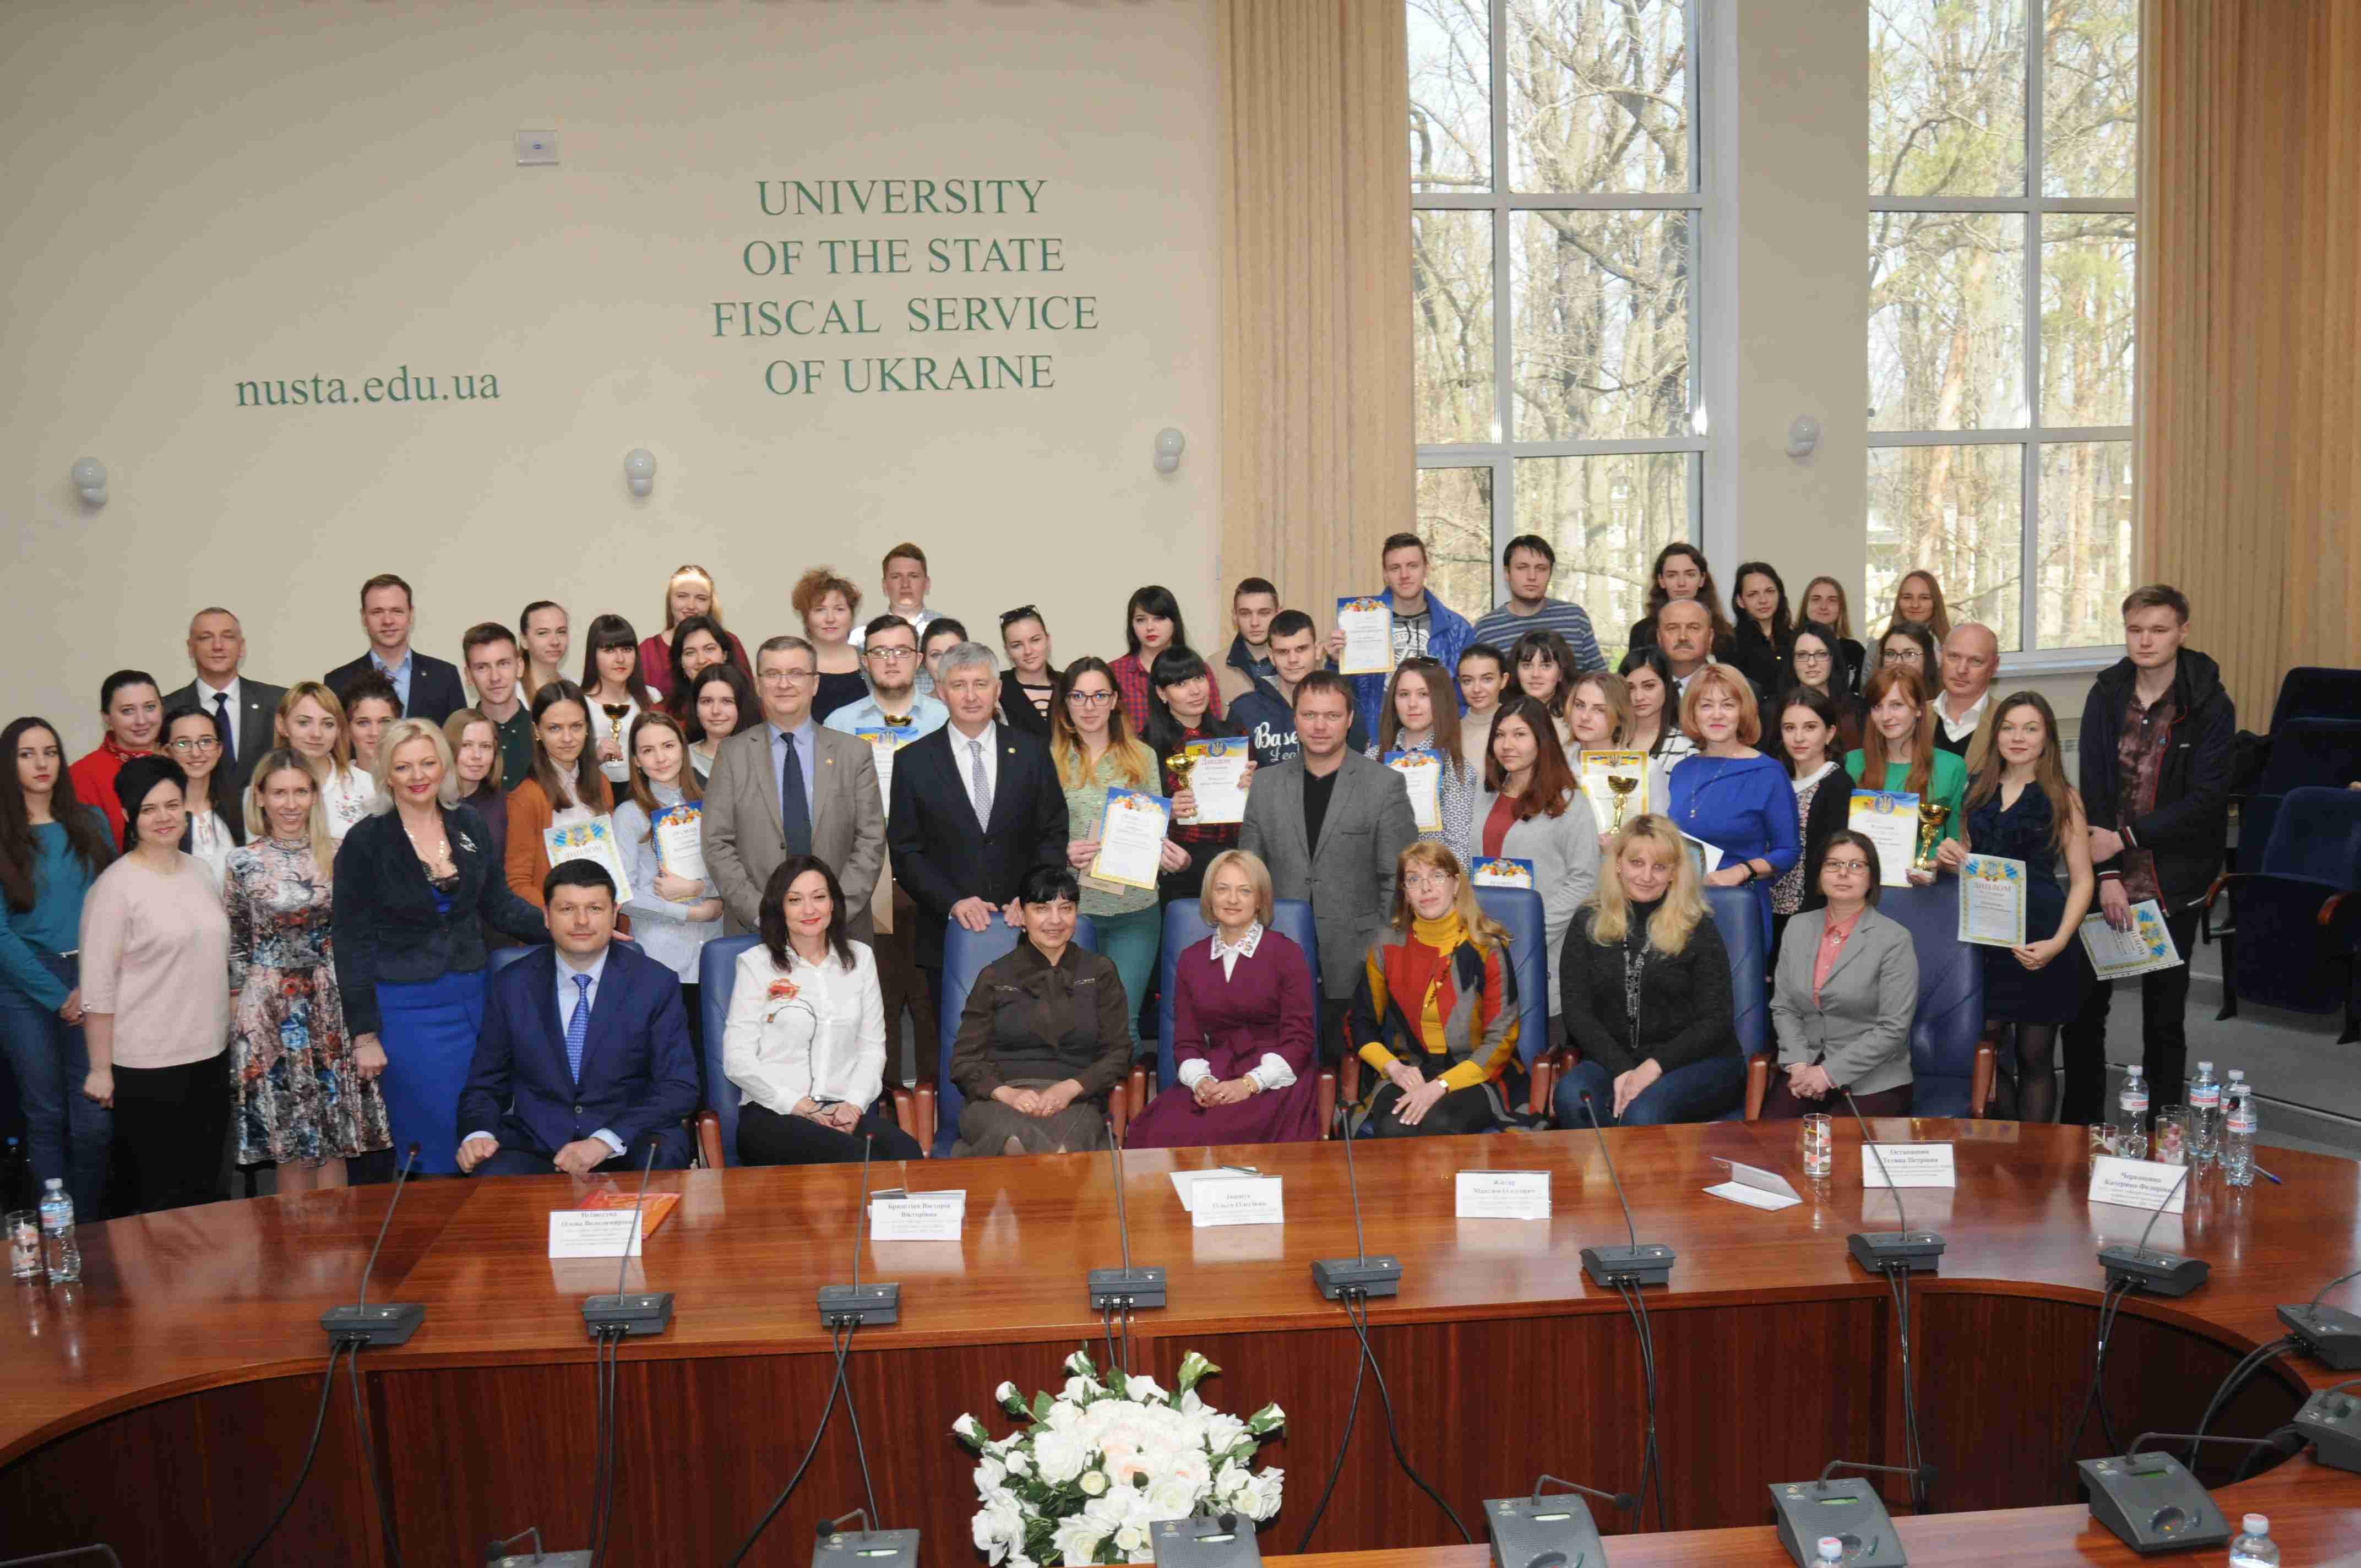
[[192, 739], [312, 725], [673, 915], [805, 1043]]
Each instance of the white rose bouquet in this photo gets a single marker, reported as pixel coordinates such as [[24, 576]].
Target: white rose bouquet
[[1102, 1461]]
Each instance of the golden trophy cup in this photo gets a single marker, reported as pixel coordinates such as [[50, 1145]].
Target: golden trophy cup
[[1181, 764], [1623, 788], [1931, 817]]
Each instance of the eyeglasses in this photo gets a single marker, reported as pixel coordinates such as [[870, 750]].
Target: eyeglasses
[[889, 652], [1090, 700], [1022, 612], [1429, 879], [1862, 866], [1817, 656], [197, 743], [786, 677]]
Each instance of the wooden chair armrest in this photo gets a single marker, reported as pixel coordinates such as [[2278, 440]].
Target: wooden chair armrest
[[924, 1114], [905, 1116], [2221, 883], [1757, 1083], [1348, 1081], [1138, 1088], [1327, 1092], [1544, 1084], [2328, 910], [1979, 1079], [1119, 1109], [706, 1127]]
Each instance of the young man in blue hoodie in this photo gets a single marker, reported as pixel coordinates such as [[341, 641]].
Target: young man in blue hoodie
[[1422, 623]]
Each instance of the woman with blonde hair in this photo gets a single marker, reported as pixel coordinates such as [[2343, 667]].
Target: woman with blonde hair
[[311, 723], [1644, 982], [688, 591], [1730, 795], [1244, 1021], [1434, 1017]]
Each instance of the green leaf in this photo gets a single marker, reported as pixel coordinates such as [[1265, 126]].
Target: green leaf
[[1194, 1369], [1041, 1403]]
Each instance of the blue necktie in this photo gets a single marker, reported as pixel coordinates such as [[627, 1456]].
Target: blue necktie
[[577, 1027], [795, 804]]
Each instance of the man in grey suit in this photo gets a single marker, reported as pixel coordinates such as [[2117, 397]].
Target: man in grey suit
[[245, 711], [1331, 824], [790, 786]]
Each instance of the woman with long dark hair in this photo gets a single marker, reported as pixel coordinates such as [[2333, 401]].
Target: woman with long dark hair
[[721, 703], [1809, 747], [1816, 662], [1181, 709], [1765, 626], [1542, 664], [1680, 573], [672, 916], [565, 786], [52, 847], [697, 643], [1532, 811], [1655, 706], [1421, 714], [1826, 602], [616, 689], [1151, 623]]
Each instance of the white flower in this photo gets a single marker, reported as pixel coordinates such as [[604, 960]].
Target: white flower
[[1266, 1489], [1019, 1461], [1143, 1389], [1131, 1539], [1061, 1456], [1080, 1365], [1094, 1483], [1079, 1389], [1170, 1499], [970, 1431], [1064, 1417], [1221, 1431], [988, 1477], [998, 1525], [1078, 1538], [1233, 1485], [1194, 1368], [1006, 1395]]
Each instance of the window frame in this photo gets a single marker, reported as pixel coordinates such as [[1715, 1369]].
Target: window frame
[[2033, 206], [1502, 454]]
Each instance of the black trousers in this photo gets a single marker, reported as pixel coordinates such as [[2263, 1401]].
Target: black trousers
[[1332, 1013], [169, 1126], [2164, 1036], [766, 1137]]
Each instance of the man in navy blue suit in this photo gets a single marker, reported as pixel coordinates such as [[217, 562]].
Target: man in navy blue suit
[[584, 1058]]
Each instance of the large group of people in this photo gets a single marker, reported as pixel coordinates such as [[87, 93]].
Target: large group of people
[[261, 918]]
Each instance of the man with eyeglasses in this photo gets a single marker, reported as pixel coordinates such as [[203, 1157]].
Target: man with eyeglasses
[[889, 657], [243, 710], [788, 786]]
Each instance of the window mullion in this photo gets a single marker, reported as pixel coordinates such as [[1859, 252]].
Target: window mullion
[[2028, 595]]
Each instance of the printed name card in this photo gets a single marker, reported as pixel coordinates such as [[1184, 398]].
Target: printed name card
[[1236, 1200], [593, 1233], [1755, 1188], [2138, 1183], [1504, 1195], [1909, 1165], [917, 1216]]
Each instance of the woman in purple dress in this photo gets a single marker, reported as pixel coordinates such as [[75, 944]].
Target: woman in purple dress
[[1243, 1025]]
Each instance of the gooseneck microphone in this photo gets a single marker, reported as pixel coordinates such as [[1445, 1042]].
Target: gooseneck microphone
[[2161, 1273], [877, 1303], [392, 1322], [1882, 1252], [1127, 1288], [1635, 1265], [1555, 1532], [633, 1316], [2328, 1334], [1379, 1276]]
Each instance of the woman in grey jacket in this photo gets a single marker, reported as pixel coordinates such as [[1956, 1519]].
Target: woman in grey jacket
[[1847, 991]]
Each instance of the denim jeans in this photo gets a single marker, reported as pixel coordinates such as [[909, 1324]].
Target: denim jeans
[[1697, 1092], [1131, 943], [66, 1134]]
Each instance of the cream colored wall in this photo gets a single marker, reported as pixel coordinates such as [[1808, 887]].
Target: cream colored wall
[[197, 194]]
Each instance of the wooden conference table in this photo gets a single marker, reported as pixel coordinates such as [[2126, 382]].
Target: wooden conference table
[[163, 1403]]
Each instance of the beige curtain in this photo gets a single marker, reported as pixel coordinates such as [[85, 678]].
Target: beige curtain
[[2250, 330], [1315, 379]]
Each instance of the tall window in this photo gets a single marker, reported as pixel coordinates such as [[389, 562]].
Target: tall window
[[2004, 195], [1554, 241]]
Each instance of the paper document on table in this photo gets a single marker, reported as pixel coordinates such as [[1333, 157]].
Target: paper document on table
[[1755, 1188], [1184, 1182]]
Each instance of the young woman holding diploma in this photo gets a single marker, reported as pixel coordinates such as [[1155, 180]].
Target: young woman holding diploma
[[672, 916], [565, 787], [2021, 808], [1422, 715], [1898, 753], [1531, 809], [1179, 710]]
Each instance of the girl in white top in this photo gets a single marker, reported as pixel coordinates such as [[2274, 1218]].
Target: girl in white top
[[191, 741], [672, 916], [311, 724], [805, 1043], [610, 678]]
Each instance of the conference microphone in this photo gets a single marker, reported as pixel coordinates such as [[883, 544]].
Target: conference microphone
[[1882, 1252], [2327, 1334], [2164, 1273], [875, 1304], [394, 1322], [1126, 1288], [1632, 1265], [2152, 1503], [1361, 1273], [1849, 1511], [633, 1316], [1556, 1531], [864, 1548]]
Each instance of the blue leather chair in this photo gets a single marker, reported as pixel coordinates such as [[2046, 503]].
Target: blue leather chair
[[2305, 751], [2295, 938], [2312, 691], [1951, 1065], [965, 953], [503, 957]]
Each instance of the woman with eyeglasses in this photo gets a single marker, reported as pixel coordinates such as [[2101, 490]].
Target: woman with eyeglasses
[[1847, 991], [192, 739], [1815, 662], [1028, 687], [828, 606]]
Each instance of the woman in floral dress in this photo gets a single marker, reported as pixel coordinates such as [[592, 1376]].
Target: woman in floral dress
[[306, 1100]]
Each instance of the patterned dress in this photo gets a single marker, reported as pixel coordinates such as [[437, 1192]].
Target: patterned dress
[[299, 1100]]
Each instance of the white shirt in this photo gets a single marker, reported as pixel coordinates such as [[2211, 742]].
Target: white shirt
[[346, 798], [821, 1037], [963, 758], [1961, 727], [602, 727], [1272, 1072], [206, 692], [569, 997], [209, 844]]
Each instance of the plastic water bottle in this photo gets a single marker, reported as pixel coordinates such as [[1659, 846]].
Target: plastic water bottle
[[2238, 1136], [59, 1251], [2131, 1115], [2205, 1115], [2255, 1549], [1831, 1550]]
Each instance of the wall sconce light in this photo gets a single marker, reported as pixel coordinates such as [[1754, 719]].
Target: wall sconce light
[[90, 478], [1803, 436], [639, 470], [1169, 445]]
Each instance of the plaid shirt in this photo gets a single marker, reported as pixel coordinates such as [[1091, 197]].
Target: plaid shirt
[[1131, 689]]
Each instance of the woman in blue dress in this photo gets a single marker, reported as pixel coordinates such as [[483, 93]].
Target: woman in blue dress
[[1730, 795], [2019, 808], [416, 887]]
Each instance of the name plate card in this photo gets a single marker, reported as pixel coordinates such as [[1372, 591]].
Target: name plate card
[[918, 1216], [1237, 1200], [1755, 1188], [1910, 1164], [2138, 1183], [593, 1233], [1504, 1195]]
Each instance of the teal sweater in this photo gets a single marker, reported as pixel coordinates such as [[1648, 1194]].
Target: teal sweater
[[54, 923]]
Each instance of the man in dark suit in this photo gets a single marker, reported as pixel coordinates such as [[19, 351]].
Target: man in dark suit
[[429, 688], [584, 1058], [975, 805], [1331, 824], [245, 711]]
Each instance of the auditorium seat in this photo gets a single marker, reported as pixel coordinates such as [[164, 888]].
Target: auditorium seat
[[1183, 925], [966, 952], [1951, 1064], [2295, 934]]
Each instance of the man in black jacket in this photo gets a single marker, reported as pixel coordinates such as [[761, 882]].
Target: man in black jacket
[[2155, 752]]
